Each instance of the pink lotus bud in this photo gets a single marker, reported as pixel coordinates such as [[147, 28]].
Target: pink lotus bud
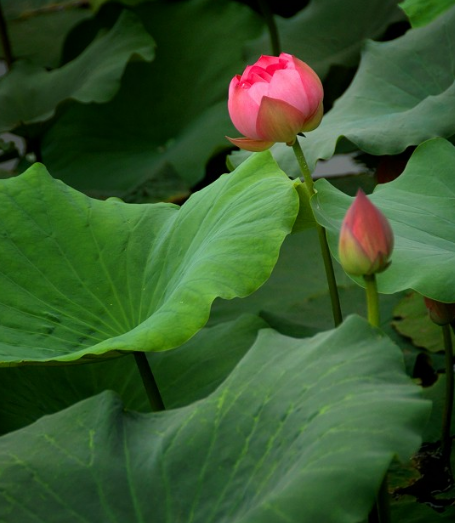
[[366, 238], [440, 313], [273, 100]]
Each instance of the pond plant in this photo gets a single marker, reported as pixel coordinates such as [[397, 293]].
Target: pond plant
[[199, 327]]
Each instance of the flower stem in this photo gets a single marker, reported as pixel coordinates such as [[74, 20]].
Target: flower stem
[[381, 510], [372, 299], [151, 388], [446, 442], [6, 44], [325, 251], [303, 167], [269, 19]]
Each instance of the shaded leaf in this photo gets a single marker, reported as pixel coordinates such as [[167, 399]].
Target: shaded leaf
[[436, 393], [267, 446], [81, 277], [170, 115], [419, 206], [96, 4], [412, 321], [16, 8], [194, 370], [184, 375], [329, 32], [37, 29], [30, 94]]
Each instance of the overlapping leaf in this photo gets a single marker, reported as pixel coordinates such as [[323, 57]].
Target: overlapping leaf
[[169, 117], [420, 207], [412, 320], [82, 277], [184, 375], [30, 93], [403, 94], [272, 444], [37, 29]]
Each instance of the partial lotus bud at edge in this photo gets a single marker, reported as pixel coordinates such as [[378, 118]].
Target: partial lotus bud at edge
[[439, 312]]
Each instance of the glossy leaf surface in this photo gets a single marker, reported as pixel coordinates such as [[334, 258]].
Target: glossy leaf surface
[[266, 446], [83, 277]]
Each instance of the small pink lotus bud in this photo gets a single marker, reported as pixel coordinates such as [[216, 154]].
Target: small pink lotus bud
[[366, 238], [273, 100], [440, 313]]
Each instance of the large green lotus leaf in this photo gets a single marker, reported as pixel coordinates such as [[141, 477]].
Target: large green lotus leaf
[[420, 207], [330, 32], [422, 12], [83, 277], [186, 374], [30, 93], [170, 115], [274, 443], [37, 29]]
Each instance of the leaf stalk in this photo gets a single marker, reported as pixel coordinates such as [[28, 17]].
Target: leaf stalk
[[151, 388], [372, 300], [269, 19]]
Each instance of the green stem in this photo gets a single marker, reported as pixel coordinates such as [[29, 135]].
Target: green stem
[[381, 510], [6, 44], [372, 299], [325, 251], [151, 388], [446, 441], [330, 275], [303, 167], [269, 19]]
